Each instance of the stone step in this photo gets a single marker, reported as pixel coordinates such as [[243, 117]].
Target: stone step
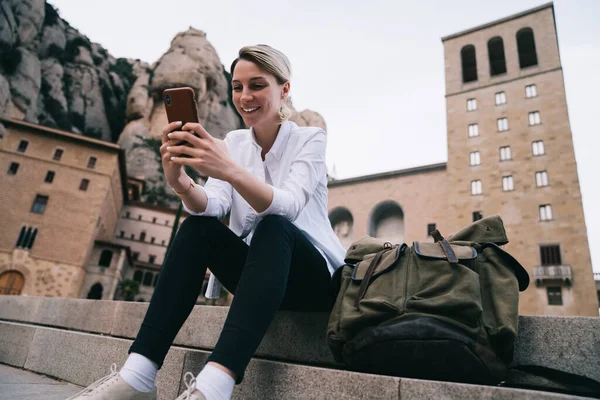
[[570, 344], [81, 358], [293, 336]]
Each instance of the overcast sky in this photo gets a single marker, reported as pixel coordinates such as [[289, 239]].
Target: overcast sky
[[373, 69]]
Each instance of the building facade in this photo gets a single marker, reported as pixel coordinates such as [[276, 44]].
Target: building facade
[[69, 228], [146, 230], [105, 270], [510, 152], [62, 193]]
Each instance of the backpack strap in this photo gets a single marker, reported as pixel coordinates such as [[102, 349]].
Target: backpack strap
[[446, 248], [576, 384], [367, 278]]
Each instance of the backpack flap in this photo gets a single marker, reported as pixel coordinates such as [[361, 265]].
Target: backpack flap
[[373, 266], [387, 260], [365, 246], [486, 230]]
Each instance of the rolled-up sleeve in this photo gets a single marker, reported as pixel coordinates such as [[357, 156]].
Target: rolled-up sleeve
[[306, 171], [219, 194]]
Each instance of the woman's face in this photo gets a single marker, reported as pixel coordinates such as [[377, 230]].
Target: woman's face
[[256, 94]]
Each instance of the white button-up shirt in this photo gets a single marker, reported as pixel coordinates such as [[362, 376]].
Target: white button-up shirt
[[296, 170]]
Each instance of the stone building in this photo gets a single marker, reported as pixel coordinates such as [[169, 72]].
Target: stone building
[[146, 230], [510, 152], [106, 268], [82, 236], [62, 194]]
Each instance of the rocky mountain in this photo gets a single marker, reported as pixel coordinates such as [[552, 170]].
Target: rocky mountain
[[53, 75]]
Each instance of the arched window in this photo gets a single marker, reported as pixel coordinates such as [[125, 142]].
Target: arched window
[[387, 222], [147, 279], [138, 275], [469, 63], [11, 282], [105, 258], [32, 238], [26, 237], [342, 223], [95, 292], [496, 55], [21, 236], [526, 48]]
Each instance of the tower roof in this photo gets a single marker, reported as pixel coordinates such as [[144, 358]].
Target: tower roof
[[499, 21]]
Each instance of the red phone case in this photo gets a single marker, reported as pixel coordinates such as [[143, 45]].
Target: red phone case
[[180, 104]]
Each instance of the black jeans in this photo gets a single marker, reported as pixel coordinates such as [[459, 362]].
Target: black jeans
[[280, 269]]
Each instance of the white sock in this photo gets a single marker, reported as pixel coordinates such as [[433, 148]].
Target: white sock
[[214, 383], [139, 372]]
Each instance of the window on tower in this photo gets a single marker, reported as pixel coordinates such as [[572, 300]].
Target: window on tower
[[537, 148], [500, 98], [473, 130], [505, 153], [469, 63], [471, 104], [496, 55], [530, 91], [502, 124], [526, 48]]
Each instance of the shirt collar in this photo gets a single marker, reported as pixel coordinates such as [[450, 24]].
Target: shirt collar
[[280, 141]]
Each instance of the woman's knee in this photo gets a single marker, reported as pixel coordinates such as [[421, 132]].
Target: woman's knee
[[198, 225], [272, 223]]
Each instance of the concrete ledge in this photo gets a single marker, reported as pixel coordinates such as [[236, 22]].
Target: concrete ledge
[[568, 343], [14, 343], [276, 380], [82, 358], [293, 336], [414, 389], [78, 314]]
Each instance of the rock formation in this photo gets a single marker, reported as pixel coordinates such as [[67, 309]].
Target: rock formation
[[56, 76], [308, 118]]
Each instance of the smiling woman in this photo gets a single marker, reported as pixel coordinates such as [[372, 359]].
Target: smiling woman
[[253, 61], [272, 180]]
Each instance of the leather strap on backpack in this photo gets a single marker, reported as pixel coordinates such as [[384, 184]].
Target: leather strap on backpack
[[367, 278], [576, 384], [446, 248]]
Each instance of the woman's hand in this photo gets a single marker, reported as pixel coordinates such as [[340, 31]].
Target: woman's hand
[[174, 173], [206, 154]]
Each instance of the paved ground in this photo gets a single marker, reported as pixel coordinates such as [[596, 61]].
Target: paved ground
[[18, 384]]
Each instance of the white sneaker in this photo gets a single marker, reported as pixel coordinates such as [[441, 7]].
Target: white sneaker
[[191, 393], [112, 387]]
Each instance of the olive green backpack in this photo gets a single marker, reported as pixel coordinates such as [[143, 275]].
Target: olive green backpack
[[446, 310]]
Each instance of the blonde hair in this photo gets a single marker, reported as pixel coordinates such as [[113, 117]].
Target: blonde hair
[[275, 63]]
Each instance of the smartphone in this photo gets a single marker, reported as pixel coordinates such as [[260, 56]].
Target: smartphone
[[180, 104]]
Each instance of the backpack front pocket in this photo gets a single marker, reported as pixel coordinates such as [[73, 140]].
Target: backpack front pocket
[[381, 296], [437, 287]]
